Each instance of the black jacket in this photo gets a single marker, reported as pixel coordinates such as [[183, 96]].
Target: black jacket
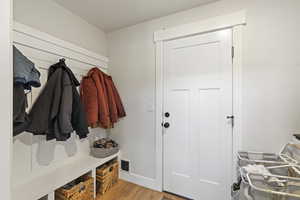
[[19, 106], [78, 118], [58, 110]]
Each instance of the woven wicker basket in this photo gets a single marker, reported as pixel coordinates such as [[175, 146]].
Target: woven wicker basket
[[82, 191], [107, 176]]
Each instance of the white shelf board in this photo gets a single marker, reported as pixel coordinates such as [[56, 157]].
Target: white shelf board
[[42, 185]]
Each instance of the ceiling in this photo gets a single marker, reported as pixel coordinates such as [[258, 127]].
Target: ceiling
[[110, 15]]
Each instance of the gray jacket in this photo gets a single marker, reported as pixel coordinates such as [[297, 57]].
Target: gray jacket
[[52, 112], [25, 72]]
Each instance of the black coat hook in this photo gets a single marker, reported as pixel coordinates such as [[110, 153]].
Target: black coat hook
[[62, 60]]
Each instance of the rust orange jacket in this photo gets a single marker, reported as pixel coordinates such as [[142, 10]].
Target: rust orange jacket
[[101, 99]]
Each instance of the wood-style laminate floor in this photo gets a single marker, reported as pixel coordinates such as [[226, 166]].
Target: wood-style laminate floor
[[128, 191]]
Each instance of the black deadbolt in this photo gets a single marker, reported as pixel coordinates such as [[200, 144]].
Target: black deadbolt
[[167, 114], [167, 125]]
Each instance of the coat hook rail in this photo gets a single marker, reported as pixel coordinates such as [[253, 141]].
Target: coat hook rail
[[59, 55]]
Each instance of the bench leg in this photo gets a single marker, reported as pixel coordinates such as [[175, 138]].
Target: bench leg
[[94, 176], [51, 196]]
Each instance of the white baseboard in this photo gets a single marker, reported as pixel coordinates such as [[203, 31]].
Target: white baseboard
[[139, 180]]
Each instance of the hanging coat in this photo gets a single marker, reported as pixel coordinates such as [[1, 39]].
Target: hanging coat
[[45, 117], [20, 118], [58, 110], [99, 112], [78, 116], [116, 109], [117, 99], [101, 100], [25, 77], [89, 98], [25, 72]]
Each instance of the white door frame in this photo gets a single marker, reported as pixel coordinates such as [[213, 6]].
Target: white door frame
[[236, 22]]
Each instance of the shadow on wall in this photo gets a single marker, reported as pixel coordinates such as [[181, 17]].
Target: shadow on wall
[[46, 149], [45, 152]]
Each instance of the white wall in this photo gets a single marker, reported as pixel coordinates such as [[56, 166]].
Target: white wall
[[271, 84], [47, 16], [6, 98]]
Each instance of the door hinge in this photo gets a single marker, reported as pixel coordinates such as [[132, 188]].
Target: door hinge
[[232, 51]]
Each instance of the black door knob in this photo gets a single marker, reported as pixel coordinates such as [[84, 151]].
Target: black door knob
[[167, 114], [167, 125]]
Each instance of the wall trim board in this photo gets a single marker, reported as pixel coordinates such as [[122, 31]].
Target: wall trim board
[[236, 23], [139, 180], [159, 114], [237, 64], [6, 116], [212, 24], [30, 37]]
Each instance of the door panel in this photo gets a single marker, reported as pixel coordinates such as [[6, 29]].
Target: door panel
[[198, 96], [208, 130]]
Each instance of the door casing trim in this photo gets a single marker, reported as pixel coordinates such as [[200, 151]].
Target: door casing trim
[[236, 22]]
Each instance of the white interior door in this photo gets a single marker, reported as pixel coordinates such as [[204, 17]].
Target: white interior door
[[198, 98]]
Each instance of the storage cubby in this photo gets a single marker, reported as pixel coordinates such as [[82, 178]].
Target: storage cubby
[[107, 176], [80, 188]]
